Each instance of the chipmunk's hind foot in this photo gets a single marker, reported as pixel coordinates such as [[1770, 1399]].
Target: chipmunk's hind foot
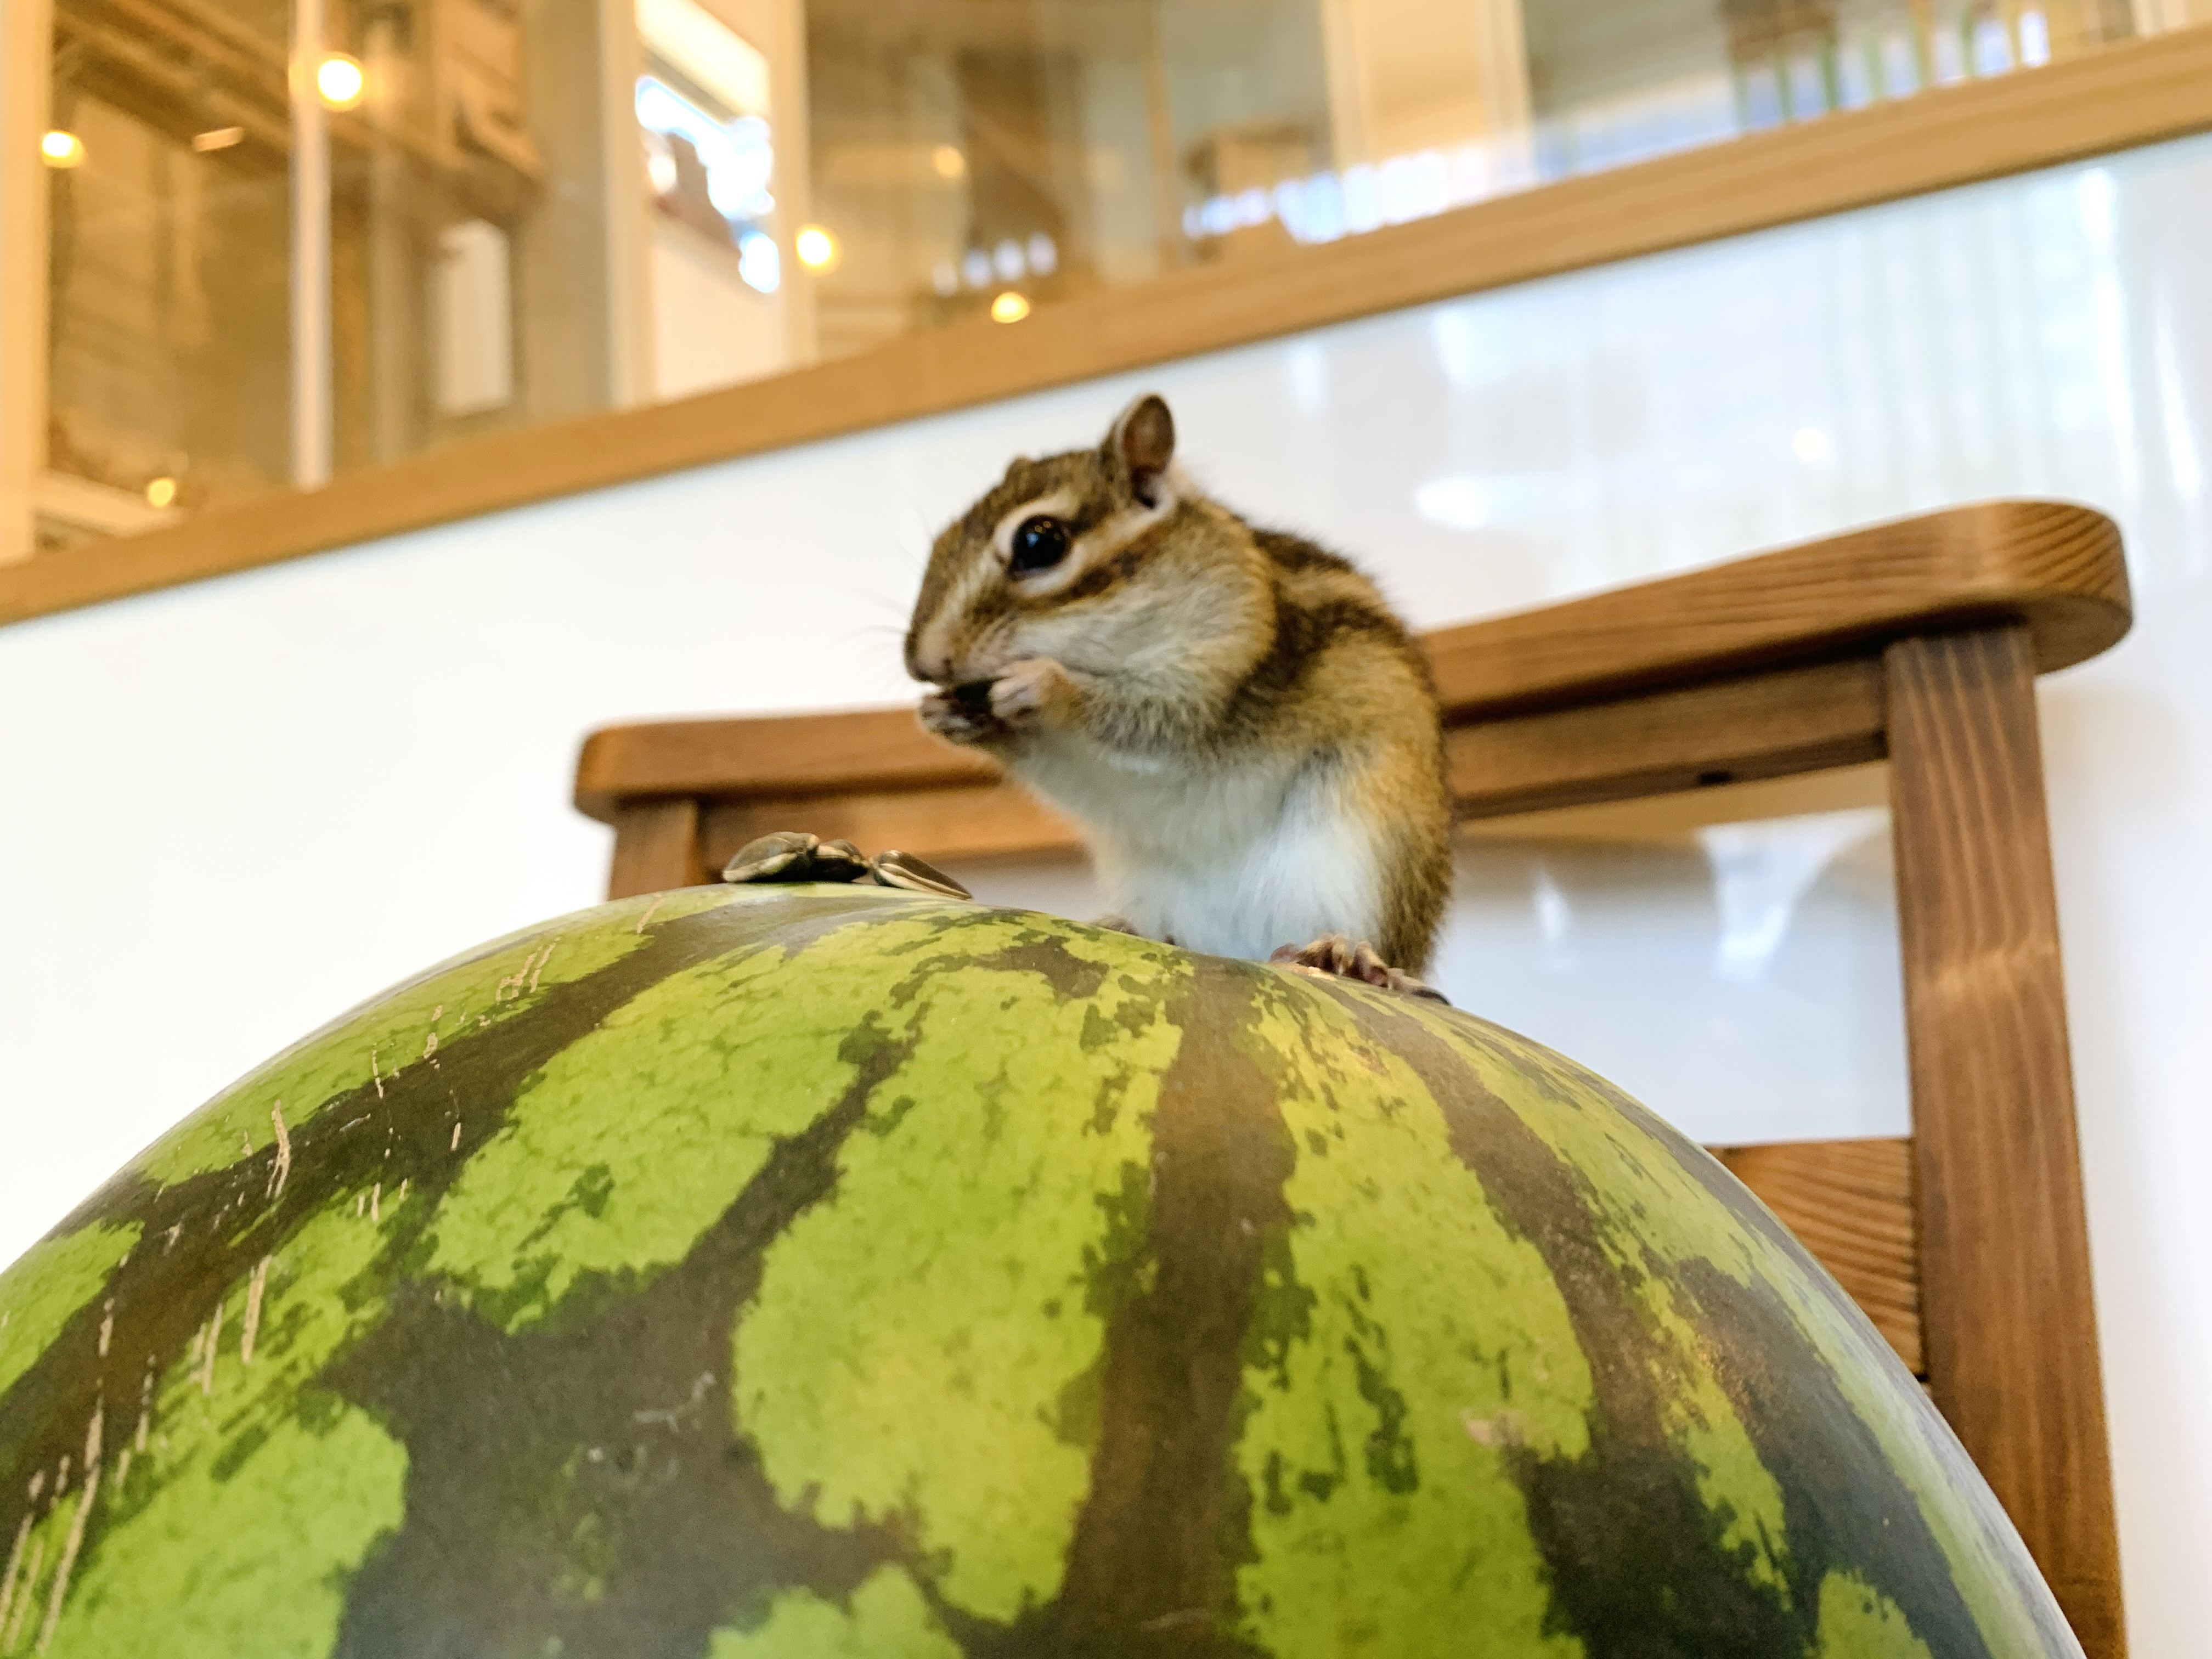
[[1335, 955]]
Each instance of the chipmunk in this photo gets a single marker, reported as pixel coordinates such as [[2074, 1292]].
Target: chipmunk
[[1246, 734]]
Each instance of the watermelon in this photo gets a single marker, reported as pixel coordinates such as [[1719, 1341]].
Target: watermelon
[[825, 1271]]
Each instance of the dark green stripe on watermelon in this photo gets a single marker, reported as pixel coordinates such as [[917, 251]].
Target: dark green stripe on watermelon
[[829, 1272], [1150, 1566], [1639, 1566]]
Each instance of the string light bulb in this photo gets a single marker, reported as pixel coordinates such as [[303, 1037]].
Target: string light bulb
[[340, 80], [162, 492], [61, 150], [815, 247], [1009, 307]]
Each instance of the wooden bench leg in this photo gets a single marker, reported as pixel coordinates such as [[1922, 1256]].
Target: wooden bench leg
[[2009, 1320], [656, 846]]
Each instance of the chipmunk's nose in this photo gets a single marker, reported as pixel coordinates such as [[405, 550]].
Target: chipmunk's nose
[[929, 653], [920, 665]]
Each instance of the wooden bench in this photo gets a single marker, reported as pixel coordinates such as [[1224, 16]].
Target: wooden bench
[[1918, 642]]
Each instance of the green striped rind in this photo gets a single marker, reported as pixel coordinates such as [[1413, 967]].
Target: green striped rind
[[1380, 1414], [833, 1271], [885, 1618], [1700, 1256], [236, 1520], [53, 1283], [989, 1209]]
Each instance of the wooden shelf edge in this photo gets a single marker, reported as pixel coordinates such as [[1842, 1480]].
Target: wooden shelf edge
[[2118, 97]]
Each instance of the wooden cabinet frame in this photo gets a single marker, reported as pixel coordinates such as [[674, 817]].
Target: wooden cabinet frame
[[1916, 642]]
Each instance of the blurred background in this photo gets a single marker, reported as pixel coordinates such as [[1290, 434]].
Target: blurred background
[[275, 244]]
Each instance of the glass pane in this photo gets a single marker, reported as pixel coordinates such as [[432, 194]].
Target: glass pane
[[1730, 957], [447, 277], [721, 307], [167, 231], [1736, 970], [287, 240]]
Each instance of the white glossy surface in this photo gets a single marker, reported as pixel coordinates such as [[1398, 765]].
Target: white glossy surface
[[1737, 976], [230, 810], [1740, 980]]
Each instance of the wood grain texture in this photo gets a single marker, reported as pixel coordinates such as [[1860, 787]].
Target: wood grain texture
[[1731, 731], [1850, 1203], [2010, 1319], [2115, 97], [2058, 567], [656, 847]]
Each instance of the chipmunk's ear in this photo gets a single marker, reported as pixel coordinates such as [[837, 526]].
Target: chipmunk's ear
[[1141, 444]]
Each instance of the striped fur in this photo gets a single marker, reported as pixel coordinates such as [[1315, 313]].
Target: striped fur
[[1246, 734]]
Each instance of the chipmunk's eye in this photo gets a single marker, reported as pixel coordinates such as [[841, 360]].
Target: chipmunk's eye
[[1039, 544]]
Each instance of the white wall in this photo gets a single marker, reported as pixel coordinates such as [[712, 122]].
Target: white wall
[[227, 811]]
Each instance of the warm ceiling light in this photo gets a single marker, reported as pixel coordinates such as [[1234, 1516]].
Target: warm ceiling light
[[815, 247], [1009, 307], [948, 160], [162, 492], [339, 80], [61, 150]]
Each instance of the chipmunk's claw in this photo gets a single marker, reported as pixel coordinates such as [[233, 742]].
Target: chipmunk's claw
[[1334, 955], [791, 855]]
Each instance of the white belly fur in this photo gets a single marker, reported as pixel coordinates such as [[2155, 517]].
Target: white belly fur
[[1233, 861]]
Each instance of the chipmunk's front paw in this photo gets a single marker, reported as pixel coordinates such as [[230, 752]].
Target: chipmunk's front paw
[[1033, 693], [1334, 955], [962, 714]]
